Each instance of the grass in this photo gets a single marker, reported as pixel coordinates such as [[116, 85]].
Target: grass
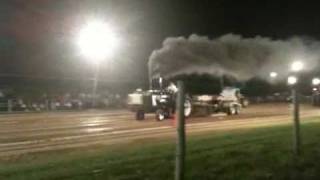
[[263, 153]]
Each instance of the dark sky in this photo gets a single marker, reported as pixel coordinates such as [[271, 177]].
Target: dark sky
[[36, 36]]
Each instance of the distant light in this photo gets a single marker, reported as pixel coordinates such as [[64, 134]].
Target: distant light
[[97, 40], [314, 89], [297, 66], [160, 80], [315, 81], [273, 74], [292, 80]]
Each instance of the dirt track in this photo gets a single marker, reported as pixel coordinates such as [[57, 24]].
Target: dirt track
[[24, 133]]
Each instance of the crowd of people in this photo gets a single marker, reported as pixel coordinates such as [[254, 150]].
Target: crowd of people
[[66, 101]]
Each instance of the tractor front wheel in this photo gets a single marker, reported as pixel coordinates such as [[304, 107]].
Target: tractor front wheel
[[161, 115]]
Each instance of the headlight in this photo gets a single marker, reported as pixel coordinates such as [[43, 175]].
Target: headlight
[[162, 100]]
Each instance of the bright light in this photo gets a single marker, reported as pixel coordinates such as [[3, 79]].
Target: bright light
[[97, 41], [297, 66], [292, 80], [160, 80], [315, 81], [273, 74], [314, 89]]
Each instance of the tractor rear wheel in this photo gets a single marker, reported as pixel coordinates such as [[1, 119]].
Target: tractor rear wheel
[[231, 110]]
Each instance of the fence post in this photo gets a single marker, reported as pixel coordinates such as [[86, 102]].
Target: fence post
[[47, 104], [9, 105], [180, 146], [296, 122]]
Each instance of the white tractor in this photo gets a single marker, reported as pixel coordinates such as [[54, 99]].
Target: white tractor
[[162, 102]]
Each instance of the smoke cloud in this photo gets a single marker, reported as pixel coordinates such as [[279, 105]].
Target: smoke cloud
[[233, 55]]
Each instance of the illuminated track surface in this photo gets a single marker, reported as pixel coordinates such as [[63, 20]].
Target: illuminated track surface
[[37, 132]]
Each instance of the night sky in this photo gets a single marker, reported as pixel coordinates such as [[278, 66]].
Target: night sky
[[37, 36]]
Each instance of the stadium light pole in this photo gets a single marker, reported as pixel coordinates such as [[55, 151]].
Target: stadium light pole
[[292, 80], [296, 67], [96, 41], [273, 75], [315, 81], [315, 91]]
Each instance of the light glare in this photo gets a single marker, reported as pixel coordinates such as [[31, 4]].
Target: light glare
[[292, 80], [97, 41], [297, 66], [273, 74], [315, 81]]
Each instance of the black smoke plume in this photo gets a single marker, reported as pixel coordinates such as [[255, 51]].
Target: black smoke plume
[[232, 55]]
